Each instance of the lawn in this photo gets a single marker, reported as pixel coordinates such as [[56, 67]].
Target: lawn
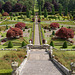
[[63, 56], [2, 53], [8, 22], [6, 59], [67, 23]]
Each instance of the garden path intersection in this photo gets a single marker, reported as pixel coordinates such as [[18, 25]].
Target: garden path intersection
[[38, 61]]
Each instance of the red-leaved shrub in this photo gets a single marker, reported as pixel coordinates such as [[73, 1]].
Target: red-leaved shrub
[[20, 25], [5, 14], [13, 32], [54, 25], [65, 33]]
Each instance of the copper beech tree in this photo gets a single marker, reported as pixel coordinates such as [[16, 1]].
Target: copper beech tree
[[14, 32], [65, 33], [20, 25], [54, 25]]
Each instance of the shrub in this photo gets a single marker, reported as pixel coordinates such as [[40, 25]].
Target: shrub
[[23, 29], [39, 20], [33, 19], [10, 45], [28, 31], [54, 25], [5, 14], [26, 27], [53, 33], [51, 43], [65, 33], [13, 32], [44, 31], [23, 44], [20, 25], [65, 45]]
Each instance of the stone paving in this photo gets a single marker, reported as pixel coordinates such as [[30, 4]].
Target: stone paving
[[39, 64], [37, 42]]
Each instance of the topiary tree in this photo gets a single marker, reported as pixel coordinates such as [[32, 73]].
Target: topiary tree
[[52, 44], [23, 44], [53, 10], [65, 45], [33, 12], [60, 9], [66, 11], [10, 45], [39, 12], [45, 13], [28, 13], [3, 11], [6, 26], [53, 33]]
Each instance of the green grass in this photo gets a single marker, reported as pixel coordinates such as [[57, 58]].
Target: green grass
[[60, 47], [67, 23], [2, 53], [8, 22], [63, 56], [5, 72], [5, 60]]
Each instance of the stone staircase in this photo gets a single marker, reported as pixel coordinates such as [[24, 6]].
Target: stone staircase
[[39, 64]]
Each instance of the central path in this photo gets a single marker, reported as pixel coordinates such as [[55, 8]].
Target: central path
[[38, 62], [37, 41]]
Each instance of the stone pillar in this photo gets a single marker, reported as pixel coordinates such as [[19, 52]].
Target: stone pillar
[[50, 52], [14, 66], [72, 66]]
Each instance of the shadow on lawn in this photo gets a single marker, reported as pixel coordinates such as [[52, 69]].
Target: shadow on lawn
[[5, 73]]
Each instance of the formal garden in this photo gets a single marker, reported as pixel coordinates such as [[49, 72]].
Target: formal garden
[[56, 22]]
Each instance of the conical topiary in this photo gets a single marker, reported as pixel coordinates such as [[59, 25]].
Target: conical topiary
[[51, 43], [65, 45], [10, 45], [23, 43], [53, 33]]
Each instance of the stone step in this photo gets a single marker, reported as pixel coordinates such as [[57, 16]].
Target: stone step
[[40, 68]]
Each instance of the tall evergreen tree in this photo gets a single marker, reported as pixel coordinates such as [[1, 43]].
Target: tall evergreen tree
[[53, 10], [33, 12], [39, 10], [28, 13], [66, 10], [45, 13], [60, 9]]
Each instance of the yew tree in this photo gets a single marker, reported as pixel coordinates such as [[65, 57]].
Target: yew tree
[[65, 33]]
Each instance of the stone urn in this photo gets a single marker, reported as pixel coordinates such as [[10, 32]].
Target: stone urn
[[14, 65]]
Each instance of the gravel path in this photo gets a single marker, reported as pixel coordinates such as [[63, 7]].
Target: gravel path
[[39, 64], [37, 41]]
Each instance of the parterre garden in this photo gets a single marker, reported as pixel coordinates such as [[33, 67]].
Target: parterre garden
[[16, 24]]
